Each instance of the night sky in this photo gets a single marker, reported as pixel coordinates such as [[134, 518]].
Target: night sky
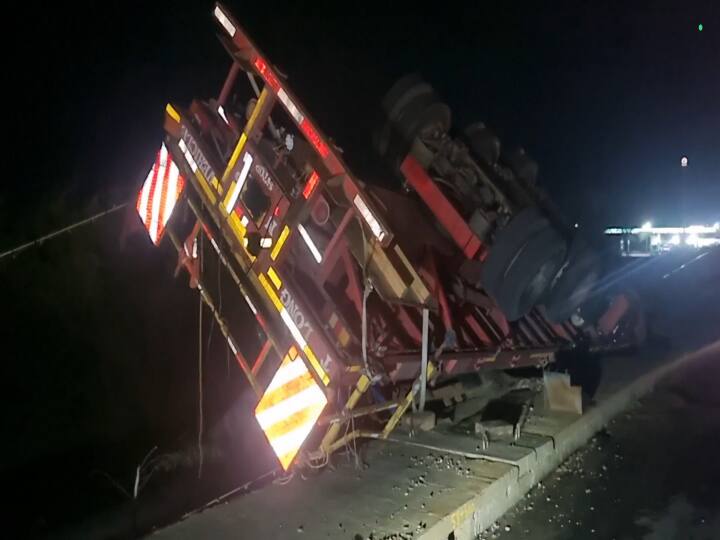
[[607, 98]]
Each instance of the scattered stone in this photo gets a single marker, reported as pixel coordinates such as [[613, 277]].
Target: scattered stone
[[507, 528]]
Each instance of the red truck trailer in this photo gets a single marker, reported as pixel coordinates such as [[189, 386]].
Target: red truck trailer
[[359, 296]]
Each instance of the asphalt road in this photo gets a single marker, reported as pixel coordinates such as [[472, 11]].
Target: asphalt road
[[654, 472]]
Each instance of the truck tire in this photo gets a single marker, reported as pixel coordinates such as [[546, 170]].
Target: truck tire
[[507, 243], [422, 112], [531, 273], [574, 283], [402, 92], [483, 143], [411, 107], [523, 166]]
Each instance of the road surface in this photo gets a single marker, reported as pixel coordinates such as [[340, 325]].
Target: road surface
[[654, 473]]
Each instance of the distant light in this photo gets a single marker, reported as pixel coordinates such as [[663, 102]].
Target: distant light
[[647, 226], [656, 240], [675, 239], [692, 240], [700, 27], [577, 225], [684, 161]]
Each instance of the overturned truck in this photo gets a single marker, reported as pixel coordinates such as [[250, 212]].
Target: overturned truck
[[359, 298]]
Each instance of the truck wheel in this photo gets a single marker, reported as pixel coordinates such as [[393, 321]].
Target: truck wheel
[[531, 273], [573, 284], [412, 107], [523, 166], [423, 112], [401, 93], [506, 244], [483, 143]]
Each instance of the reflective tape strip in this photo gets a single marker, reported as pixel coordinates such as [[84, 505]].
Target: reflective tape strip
[[316, 364], [280, 242], [292, 109], [172, 113], [171, 193], [142, 206], [286, 373], [289, 409], [234, 193], [310, 244], [274, 277], [270, 292], [224, 21], [294, 330], [279, 431], [159, 194], [235, 155], [369, 218]]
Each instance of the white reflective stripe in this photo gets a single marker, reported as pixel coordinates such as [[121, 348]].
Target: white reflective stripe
[[287, 373], [195, 249], [145, 195], [265, 242], [310, 244], [221, 112], [244, 221], [252, 306], [171, 196], [312, 395], [157, 195], [214, 245], [247, 161], [232, 347], [224, 21], [188, 156], [293, 440], [292, 109], [369, 217], [293, 329]]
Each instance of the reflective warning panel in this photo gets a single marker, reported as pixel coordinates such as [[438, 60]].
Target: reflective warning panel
[[290, 407], [159, 194]]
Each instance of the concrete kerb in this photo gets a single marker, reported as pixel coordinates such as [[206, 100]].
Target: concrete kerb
[[478, 513]]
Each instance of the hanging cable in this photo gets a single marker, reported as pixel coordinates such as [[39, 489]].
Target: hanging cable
[[54, 234]]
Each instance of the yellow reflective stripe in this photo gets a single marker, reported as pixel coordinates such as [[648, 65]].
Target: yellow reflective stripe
[[280, 241], [172, 113], [270, 292], [224, 204], [316, 364], [256, 111], [274, 277], [235, 155], [237, 226], [289, 389], [216, 184], [205, 187]]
